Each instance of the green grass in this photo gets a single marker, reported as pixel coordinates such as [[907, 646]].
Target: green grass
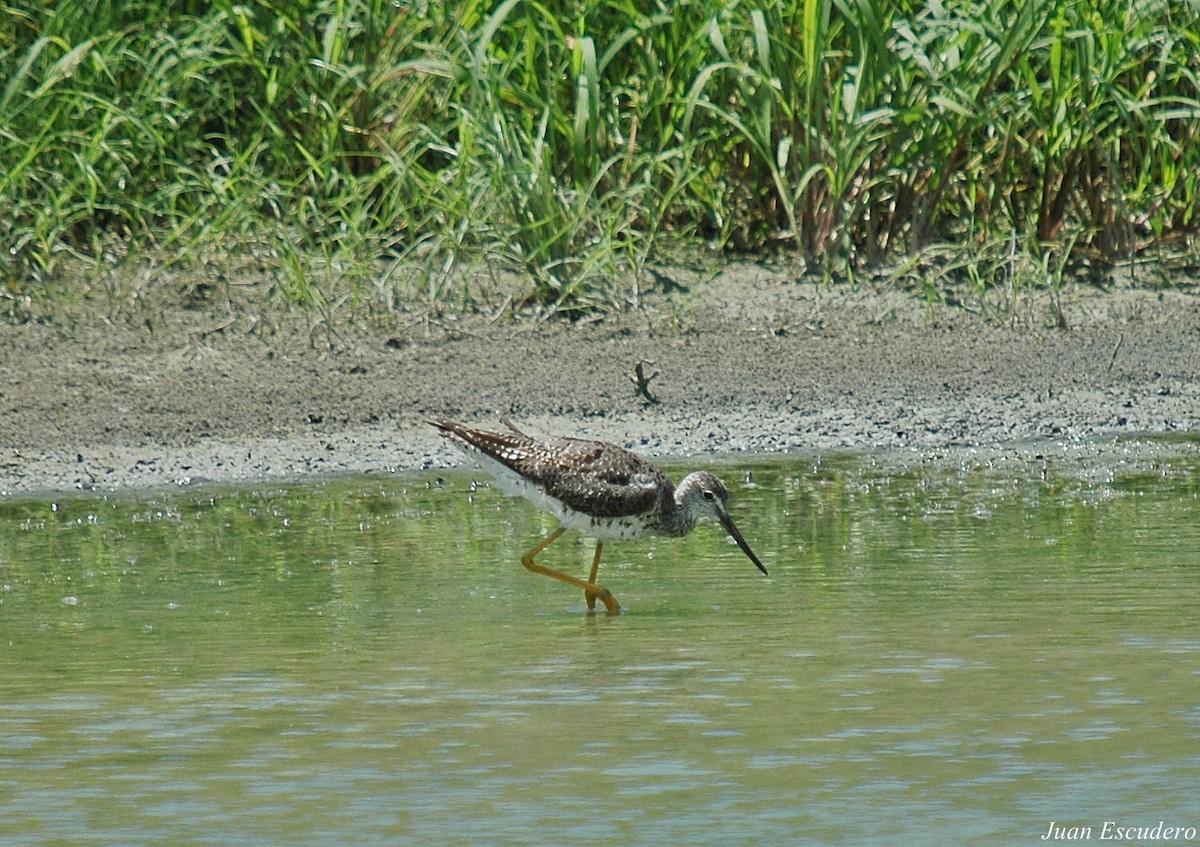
[[331, 140]]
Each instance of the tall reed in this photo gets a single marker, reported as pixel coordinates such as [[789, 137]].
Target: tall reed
[[568, 139]]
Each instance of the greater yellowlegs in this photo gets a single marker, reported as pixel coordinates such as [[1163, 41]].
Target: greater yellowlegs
[[600, 489]]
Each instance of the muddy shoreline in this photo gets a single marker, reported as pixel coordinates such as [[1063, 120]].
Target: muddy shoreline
[[232, 392]]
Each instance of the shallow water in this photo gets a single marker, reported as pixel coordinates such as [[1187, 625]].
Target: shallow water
[[950, 653]]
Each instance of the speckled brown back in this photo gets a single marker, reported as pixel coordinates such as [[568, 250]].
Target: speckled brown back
[[591, 477]]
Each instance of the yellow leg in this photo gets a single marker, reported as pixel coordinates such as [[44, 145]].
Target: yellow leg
[[590, 589], [591, 598]]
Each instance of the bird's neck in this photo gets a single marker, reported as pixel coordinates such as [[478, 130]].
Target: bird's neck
[[677, 519]]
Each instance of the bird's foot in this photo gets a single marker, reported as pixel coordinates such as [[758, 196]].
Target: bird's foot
[[605, 596]]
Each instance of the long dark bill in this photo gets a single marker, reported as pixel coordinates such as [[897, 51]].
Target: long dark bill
[[727, 522]]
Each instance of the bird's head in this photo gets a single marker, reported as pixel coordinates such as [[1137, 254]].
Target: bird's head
[[702, 496]]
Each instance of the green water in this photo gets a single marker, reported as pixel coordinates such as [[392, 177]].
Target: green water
[[942, 655]]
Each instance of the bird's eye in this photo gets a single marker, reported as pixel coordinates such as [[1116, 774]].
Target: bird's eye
[[708, 495]]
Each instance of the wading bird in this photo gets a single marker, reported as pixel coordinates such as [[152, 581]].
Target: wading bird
[[600, 489]]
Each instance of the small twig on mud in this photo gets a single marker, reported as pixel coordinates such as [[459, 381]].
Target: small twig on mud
[[641, 382], [205, 332], [1113, 360]]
